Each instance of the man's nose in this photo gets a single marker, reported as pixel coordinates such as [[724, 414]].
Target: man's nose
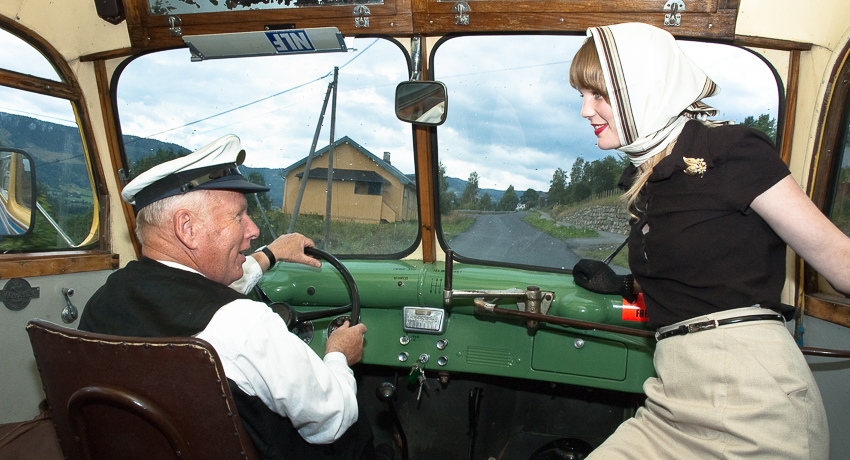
[[251, 230]]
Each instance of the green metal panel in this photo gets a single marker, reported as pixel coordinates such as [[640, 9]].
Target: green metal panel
[[576, 354], [475, 343]]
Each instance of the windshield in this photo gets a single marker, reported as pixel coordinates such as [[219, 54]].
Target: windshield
[[169, 106], [521, 179]]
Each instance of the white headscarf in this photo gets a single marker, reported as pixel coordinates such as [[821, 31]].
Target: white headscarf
[[652, 86]]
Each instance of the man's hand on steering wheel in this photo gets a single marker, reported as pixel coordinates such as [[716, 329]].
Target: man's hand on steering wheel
[[347, 340], [290, 248]]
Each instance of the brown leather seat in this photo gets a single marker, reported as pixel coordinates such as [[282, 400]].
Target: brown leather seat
[[115, 397]]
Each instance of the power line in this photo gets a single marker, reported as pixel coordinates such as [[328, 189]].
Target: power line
[[258, 100]]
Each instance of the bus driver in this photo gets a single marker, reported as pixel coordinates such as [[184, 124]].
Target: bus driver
[[193, 225]]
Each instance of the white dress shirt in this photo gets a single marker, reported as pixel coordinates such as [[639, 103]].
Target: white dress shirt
[[266, 360]]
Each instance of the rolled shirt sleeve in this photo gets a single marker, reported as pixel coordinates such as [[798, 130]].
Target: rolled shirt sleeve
[[251, 275], [264, 359]]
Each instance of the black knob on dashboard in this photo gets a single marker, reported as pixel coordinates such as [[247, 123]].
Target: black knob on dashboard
[[386, 392]]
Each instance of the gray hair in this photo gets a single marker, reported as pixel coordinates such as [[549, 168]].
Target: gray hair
[[159, 213]]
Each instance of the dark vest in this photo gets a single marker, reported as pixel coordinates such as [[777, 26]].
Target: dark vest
[[150, 299]]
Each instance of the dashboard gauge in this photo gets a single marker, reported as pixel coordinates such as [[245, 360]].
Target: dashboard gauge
[[336, 323], [304, 331]]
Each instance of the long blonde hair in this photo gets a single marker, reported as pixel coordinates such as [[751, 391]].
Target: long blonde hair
[[630, 197]]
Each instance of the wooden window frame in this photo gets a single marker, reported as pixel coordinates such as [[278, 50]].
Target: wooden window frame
[[72, 261], [819, 299]]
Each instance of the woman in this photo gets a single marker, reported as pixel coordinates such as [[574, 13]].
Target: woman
[[712, 209]]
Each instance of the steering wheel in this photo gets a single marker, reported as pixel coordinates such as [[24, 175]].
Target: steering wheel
[[293, 318]]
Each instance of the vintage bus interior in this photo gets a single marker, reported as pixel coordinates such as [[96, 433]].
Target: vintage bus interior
[[451, 185]]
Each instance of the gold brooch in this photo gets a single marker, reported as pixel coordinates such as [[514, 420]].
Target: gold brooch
[[695, 166]]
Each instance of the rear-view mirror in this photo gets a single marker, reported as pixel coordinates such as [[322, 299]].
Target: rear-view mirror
[[421, 102], [17, 192]]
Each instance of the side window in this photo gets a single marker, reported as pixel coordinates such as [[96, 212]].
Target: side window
[[285, 110], [521, 179], [45, 127], [831, 191], [838, 200]]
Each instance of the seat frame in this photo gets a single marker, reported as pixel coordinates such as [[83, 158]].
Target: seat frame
[[137, 398]]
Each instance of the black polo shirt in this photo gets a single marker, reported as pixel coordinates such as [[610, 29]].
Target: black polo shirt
[[697, 247]]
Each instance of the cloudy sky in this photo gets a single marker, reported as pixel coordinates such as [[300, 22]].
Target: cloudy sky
[[512, 117]]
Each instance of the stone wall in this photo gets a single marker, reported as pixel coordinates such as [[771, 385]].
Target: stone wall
[[612, 219]]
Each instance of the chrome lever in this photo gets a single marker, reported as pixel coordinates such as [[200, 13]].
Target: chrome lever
[[70, 312]]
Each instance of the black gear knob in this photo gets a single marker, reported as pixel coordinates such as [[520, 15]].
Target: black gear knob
[[386, 392]]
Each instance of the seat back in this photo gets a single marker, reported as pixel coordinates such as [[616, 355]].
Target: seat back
[[137, 398]]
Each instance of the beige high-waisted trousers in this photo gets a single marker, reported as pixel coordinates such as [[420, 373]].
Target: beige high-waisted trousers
[[742, 391]]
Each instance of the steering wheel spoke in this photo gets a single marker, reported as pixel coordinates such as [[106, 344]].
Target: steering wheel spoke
[[293, 317]]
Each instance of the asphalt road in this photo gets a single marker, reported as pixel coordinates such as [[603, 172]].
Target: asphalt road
[[506, 238]]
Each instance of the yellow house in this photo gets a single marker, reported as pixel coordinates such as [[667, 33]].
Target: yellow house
[[365, 188]]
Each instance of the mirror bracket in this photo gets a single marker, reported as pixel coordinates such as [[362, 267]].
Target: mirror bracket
[[415, 57]]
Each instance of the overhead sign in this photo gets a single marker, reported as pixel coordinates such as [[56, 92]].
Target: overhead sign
[[265, 43]]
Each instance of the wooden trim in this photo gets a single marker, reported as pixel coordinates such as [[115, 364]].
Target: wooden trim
[[790, 106], [706, 19], [828, 125], [106, 55], [114, 149], [712, 26], [149, 32], [575, 6], [424, 163], [55, 263], [828, 308], [771, 43], [38, 85], [424, 166]]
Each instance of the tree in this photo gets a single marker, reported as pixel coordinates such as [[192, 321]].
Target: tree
[[764, 124], [558, 186], [509, 200], [603, 175], [447, 198], [530, 197], [160, 156], [470, 193], [486, 202]]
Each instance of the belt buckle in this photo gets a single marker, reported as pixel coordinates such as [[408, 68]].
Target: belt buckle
[[702, 326]]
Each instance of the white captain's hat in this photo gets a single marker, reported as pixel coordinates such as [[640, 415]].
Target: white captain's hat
[[212, 167]]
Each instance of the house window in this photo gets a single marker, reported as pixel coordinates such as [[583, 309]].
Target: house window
[[367, 188]]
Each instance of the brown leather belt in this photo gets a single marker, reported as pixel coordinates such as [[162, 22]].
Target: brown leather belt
[[714, 324]]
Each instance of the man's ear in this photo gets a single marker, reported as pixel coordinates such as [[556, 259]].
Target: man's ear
[[186, 228]]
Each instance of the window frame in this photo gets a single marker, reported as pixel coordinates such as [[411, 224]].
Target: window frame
[[821, 302], [100, 257]]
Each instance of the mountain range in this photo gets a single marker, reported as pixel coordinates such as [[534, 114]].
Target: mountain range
[[58, 151]]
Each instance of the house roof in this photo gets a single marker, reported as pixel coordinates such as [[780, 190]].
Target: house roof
[[405, 181], [346, 175]]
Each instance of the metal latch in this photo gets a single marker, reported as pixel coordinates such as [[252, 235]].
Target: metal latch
[[461, 10], [362, 12], [673, 18], [175, 26]]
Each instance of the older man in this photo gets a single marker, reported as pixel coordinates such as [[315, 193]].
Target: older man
[[193, 224]]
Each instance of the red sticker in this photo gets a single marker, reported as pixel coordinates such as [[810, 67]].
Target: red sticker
[[635, 311]]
